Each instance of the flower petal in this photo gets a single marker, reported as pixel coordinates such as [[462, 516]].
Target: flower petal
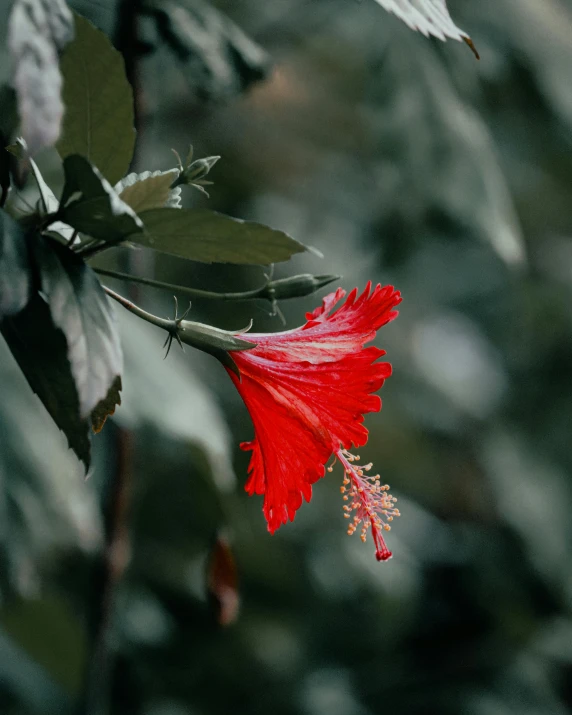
[[307, 391]]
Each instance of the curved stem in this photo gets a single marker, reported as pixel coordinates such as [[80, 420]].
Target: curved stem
[[168, 325], [196, 292], [91, 247]]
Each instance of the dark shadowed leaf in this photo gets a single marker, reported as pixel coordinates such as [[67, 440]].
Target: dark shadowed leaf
[[222, 582], [210, 237], [80, 308], [219, 60], [15, 279], [106, 407], [66, 342], [91, 206], [98, 123], [41, 351], [8, 125], [149, 190], [37, 30]]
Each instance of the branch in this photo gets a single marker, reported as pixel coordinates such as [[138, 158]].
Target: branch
[[260, 292]]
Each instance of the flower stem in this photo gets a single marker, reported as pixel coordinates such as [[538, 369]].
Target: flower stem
[[196, 292], [210, 340], [91, 247], [168, 325]]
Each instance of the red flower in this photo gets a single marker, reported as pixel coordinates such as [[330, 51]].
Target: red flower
[[307, 390]]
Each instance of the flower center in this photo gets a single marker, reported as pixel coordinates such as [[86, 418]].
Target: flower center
[[368, 500]]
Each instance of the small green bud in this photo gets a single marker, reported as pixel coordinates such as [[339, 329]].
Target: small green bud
[[296, 286], [199, 168], [193, 172]]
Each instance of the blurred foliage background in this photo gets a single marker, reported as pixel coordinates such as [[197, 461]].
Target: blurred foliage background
[[404, 161]]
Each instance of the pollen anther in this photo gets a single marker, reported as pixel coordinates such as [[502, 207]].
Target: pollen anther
[[373, 507]]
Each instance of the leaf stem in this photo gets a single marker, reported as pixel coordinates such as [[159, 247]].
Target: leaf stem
[[195, 292]]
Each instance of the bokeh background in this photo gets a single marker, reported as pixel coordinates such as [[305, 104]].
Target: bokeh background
[[404, 161]]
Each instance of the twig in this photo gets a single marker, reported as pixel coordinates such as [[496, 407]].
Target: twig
[[194, 292]]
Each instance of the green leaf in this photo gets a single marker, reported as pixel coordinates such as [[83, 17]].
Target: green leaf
[[210, 237], [66, 342], [149, 190], [15, 270], [80, 308], [41, 351], [37, 30], [98, 122], [91, 206]]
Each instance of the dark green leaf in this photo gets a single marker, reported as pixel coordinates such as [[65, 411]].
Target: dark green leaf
[[66, 342], [210, 237], [149, 190], [41, 351], [15, 280], [37, 30], [98, 123], [91, 206], [80, 308]]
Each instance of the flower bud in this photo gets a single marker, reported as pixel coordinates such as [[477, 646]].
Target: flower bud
[[198, 169], [296, 286]]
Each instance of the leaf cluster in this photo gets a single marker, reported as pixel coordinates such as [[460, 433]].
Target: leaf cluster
[[54, 313]]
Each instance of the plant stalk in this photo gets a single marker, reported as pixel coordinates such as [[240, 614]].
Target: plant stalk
[[193, 292]]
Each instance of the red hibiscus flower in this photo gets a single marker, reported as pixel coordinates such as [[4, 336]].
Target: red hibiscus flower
[[307, 391]]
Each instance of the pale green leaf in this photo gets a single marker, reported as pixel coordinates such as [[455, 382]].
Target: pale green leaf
[[149, 190], [210, 237]]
